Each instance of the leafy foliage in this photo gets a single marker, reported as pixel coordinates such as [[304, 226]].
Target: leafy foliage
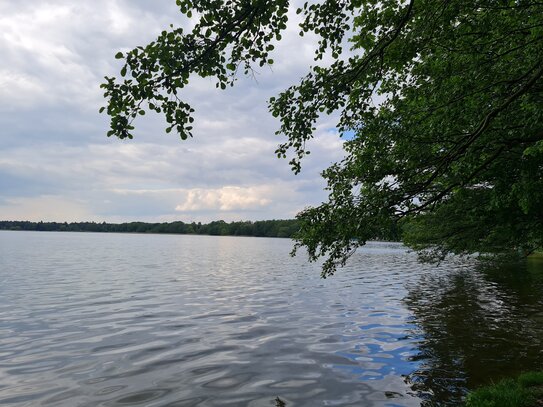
[[228, 36], [445, 99]]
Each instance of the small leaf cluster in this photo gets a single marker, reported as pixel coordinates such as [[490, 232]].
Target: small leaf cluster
[[228, 35]]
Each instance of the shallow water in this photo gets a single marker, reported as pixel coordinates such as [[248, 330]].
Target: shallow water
[[158, 320]]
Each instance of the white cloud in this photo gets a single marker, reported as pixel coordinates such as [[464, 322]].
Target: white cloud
[[16, 89], [227, 198]]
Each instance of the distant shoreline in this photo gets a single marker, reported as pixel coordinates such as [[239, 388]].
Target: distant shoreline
[[282, 228]]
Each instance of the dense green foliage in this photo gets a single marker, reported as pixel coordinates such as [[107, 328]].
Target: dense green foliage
[[525, 391], [264, 228], [445, 99]]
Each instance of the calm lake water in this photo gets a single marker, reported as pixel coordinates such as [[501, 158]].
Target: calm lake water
[[158, 320]]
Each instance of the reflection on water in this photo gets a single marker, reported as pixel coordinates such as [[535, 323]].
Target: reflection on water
[[475, 326], [127, 320]]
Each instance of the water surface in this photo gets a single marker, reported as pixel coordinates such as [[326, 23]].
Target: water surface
[[160, 320]]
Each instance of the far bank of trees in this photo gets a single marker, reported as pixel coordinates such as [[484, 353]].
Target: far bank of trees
[[264, 228]]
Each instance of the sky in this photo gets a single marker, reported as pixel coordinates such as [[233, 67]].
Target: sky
[[56, 163]]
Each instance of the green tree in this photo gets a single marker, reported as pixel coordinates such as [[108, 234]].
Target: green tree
[[445, 99]]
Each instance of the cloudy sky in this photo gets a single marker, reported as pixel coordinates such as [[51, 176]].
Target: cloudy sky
[[56, 163]]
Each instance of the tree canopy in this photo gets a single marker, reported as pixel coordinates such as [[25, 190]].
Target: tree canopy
[[445, 100]]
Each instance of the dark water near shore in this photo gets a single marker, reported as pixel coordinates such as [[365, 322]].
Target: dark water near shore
[[157, 320]]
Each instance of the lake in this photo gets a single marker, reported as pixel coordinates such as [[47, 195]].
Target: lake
[[171, 320]]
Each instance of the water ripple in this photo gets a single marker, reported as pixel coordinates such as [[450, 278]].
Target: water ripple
[[122, 320]]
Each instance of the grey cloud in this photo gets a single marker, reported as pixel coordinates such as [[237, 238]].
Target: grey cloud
[[16, 185], [52, 140]]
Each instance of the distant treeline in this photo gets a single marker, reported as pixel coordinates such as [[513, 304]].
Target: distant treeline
[[265, 228], [262, 228]]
